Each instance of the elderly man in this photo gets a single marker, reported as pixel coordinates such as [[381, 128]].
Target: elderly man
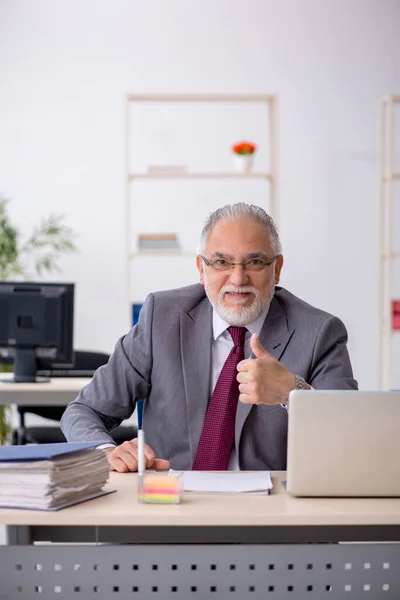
[[215, 361]]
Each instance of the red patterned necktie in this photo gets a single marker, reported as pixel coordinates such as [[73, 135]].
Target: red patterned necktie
[[218, 431]]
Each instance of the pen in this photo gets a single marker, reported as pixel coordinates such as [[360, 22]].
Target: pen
[[141, 458], [141, 463]]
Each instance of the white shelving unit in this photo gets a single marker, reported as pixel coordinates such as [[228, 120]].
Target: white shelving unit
[[199, 176], [269, 175], [388, 254]]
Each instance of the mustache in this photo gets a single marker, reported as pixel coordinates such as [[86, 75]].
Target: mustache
[[243, 289]]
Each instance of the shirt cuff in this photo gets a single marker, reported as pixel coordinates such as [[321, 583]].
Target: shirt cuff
[[106, 445]]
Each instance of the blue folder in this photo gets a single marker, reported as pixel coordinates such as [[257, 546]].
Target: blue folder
[[42, 451]]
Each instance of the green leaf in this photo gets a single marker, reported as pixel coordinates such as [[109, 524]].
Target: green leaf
[[5, 424], [42, 249]]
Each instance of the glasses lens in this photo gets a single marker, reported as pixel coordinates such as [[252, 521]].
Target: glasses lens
[[255, 265], [221, 265]]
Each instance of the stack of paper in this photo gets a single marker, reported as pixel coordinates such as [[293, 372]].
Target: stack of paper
[[158, 241], [233, 482], [51, 476]]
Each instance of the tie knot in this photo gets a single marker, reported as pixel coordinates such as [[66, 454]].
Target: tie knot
[[238, 334]]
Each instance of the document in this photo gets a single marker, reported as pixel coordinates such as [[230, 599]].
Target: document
[[228, 482], [51, 476]]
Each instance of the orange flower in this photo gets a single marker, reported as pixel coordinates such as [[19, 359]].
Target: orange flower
[[244, 148]]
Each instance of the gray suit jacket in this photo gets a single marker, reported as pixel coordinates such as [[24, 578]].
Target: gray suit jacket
[[166, 360]]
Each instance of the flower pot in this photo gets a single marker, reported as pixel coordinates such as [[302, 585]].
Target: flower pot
[[243, 163]]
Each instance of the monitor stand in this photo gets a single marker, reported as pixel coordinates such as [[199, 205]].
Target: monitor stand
[[25, 367]]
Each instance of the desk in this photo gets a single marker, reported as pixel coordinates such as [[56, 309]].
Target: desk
[[234, 546], [58, 391]]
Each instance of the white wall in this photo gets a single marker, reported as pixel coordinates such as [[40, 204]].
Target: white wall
[[66, 66]]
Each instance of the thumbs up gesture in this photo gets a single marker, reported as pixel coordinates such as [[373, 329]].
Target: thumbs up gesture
[[263, 380]]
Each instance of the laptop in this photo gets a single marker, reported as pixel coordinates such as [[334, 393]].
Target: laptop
[[344, 443]]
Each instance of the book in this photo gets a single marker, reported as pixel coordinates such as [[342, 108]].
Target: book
[[158, 241], [158, 244], [158, 236], [167, 170], [52, 476]]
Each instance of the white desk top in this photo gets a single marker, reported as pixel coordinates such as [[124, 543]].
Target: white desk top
[[280, 508], [59, 390]]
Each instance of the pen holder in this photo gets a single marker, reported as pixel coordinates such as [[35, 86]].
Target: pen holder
[[160, 488]]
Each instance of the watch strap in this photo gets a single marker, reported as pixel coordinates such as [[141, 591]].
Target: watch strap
[[299, 384]]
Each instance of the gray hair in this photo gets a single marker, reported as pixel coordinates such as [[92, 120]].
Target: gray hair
[[241, 211]]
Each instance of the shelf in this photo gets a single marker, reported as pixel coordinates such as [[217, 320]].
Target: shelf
[[392, 176], [133, 176], [157, 253], [200, 97], [171, 263], [390, 255]]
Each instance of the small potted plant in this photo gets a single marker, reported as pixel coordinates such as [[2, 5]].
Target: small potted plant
[[5, 424], [19, 259], [243, 156]]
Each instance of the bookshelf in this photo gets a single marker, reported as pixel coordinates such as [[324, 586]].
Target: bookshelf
[[389, 228], [266, 175], [134, 176]]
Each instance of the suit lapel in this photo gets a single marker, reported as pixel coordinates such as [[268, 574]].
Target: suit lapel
[[196, 344], [274, 337]]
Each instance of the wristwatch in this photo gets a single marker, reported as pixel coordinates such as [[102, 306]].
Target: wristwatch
[[300, 384]]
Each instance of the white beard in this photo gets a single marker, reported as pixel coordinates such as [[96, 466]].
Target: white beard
[[245, 314]]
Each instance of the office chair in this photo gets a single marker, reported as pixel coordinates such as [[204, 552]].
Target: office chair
[[85, 361]]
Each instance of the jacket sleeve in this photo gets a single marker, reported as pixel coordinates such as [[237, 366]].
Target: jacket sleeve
[[112, 394], [331, 368]]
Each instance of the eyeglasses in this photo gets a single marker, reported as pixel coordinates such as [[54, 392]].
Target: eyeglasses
[[253, 264]]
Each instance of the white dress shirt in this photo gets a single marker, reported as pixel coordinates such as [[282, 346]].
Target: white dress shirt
[[221, 346]]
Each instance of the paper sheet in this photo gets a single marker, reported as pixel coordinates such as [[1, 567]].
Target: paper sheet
[[226, 482]]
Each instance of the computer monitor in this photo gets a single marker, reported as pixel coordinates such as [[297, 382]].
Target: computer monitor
[[36, 325]]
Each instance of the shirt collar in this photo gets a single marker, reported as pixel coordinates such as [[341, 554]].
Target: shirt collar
[[219, 325]]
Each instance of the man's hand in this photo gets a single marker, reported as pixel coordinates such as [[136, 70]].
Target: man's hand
[[124, 458], [263, 380]]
